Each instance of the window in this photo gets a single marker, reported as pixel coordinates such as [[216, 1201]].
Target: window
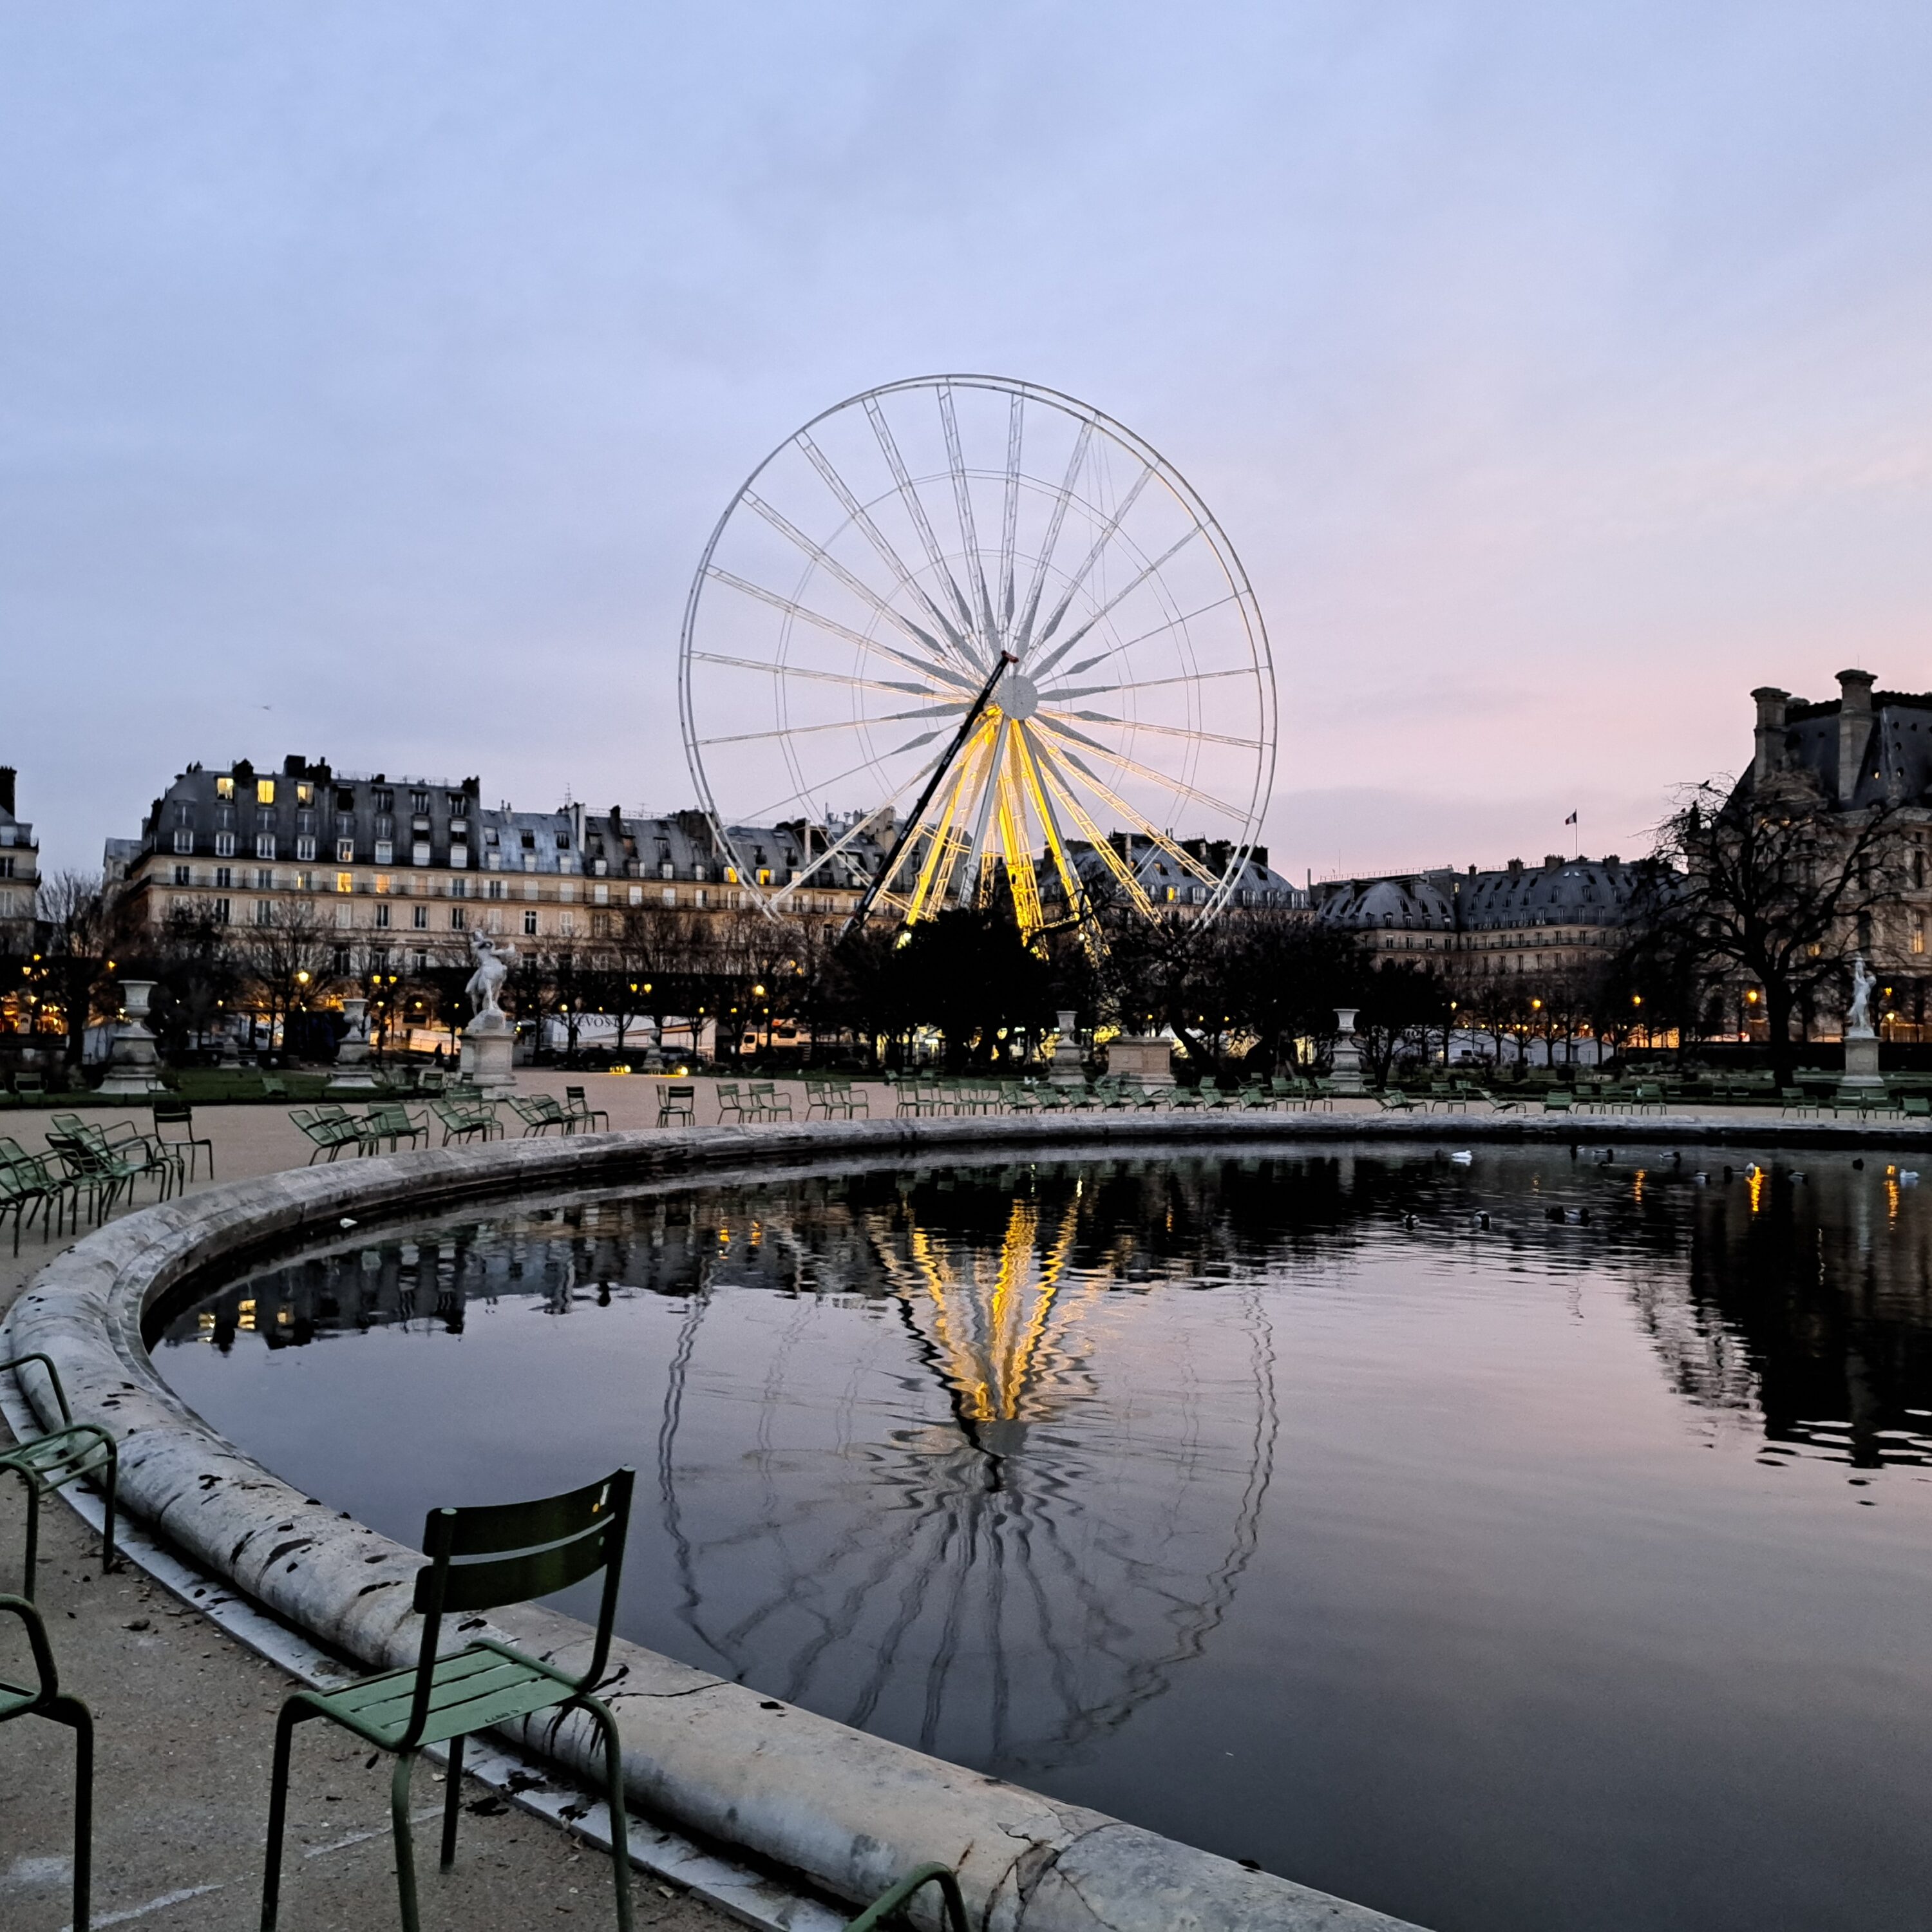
[[457, 916], [637, 895], [224, 844], [1917, 932], [304, 793], [667, 870], [383, 799], [304, 848], [459, 889], [304, 882], [563, 841], [495, 889], [184, 814], [383, 917], [183, 875], [341, 965], [730, 875], [420, 918], [265, 878], [765, 877], [224, 877], [345, 915], [566, 892], [454, 800], [566, 924], [345, 798], [265, 845], [419, 853], [265, 791], [600, 926], [530, 925], [223, 910], [422, 962], [345, 851], [670, 895], [224, 787], [385, 852], [265, 912], [184, 841], [345, 882], [419, 801], [529, 841]]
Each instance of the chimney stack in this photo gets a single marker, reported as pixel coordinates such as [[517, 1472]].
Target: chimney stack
[[7, 776], [1854, 728], [1771, 709]]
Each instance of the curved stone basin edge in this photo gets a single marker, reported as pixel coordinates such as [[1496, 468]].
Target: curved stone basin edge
[[848, 1811]]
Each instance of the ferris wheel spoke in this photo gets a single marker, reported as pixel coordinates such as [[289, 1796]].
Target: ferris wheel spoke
[[1180, 620], [1165, 730], [1108, 533], [1180, 787], [976, 857], [1010, 521], [843, 680], [833, 568], [838, 724], [1068, 643], [1139, 822], [867, 764], [1066, 693], [851, 836], [1023, 634], [882, 433], [962, 499], [1136, 892], [1070, 882], [806, 614], [877, 538]]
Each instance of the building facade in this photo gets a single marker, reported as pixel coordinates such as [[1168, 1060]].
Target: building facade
[[19, 873], [1562, 917]]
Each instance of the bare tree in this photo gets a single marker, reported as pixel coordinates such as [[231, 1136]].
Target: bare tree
[[80, 925], [1770, 885], [285, 960]]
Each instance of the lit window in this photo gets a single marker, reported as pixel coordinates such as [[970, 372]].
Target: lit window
[[265, 791], [224, 787], [764, 875], [730, 875], [530, 925], [345, 882], [1917, 934], [305, 794]]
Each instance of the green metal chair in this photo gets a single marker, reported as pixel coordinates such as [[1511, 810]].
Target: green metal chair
[[561, 1540], [46, 1699], [677, 1102], [179, 1114], [388, 1124], [539, 1114], [765, 1103], [328, 1136], [70, 1453], [577, 1104], [730, 1105], [890, 1904]]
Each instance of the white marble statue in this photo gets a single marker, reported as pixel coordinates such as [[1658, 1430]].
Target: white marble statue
[[1858, 1019], [493, 967]]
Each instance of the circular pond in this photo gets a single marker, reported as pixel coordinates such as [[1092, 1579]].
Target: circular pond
[[1520, 1541]]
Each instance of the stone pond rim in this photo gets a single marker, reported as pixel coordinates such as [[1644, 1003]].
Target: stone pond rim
[[848, 1811]]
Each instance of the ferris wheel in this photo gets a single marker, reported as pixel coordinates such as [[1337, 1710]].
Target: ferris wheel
[[973, 627]]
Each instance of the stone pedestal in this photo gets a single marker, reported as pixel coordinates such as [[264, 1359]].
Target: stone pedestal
[[1067, 1070], [1142, 1057], [487, 1043], [1345, 1066], [134, 1066], [1861, 1074], [351, 1074]]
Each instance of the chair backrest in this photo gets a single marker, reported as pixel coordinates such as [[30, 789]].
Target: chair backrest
[[29, 1083], [675, 1097], [174, 1113], [574, 1093], [557, 1540]]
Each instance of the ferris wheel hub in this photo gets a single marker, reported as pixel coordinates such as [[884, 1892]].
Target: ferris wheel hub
[[1017, 695]]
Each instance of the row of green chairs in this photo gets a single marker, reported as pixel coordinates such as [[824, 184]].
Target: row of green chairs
[[758, 1100], [833, 1097], [383, 1129]]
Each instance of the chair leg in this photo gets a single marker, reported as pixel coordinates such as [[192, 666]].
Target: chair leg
[[113, 1491], [406, 1856], [292, 1713], [613, 1796], [452, 1802], [72, 1710], [30, 1563]]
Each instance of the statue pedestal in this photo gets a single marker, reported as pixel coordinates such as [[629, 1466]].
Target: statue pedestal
[[1861, 1074], [1345, 1072], [1067, 1070], [351, 1074], [1149, 1060], [134, 1066], [487, 1042]]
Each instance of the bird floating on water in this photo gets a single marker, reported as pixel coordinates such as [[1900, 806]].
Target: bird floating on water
[[1463, 1158]]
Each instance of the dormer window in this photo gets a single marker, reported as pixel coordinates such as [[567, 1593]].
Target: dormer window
[[563, 841], [224, 787]]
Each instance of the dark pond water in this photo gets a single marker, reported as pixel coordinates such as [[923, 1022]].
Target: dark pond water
[[1571, 1570]]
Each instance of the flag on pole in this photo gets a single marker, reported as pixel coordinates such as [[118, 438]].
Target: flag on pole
[[1571, 820]]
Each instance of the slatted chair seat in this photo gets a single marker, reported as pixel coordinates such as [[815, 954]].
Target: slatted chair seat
[[478, 1688]]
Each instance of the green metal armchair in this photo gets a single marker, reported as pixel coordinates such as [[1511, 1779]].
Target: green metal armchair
[[74, 1451], [561, 1540], [46, 1699]]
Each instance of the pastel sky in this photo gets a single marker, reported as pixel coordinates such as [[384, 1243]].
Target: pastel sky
[[370, 376]]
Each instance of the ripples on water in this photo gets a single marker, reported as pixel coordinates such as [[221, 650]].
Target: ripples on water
[[1570, 1570]]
